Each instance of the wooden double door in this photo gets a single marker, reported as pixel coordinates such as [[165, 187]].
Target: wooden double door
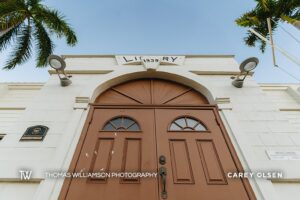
[[155, 126], [185, 146]]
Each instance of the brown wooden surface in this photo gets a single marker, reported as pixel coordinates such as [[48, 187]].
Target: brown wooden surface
[[197, 162], [151, 92], [116, 152]]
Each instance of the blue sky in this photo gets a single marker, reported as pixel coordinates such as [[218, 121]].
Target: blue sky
[[161, 27]]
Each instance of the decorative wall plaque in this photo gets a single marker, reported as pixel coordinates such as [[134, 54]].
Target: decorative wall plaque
[[283, 155], [150, 62], [35, 133]]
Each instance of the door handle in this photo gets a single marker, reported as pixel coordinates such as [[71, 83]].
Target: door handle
[[163, 176]]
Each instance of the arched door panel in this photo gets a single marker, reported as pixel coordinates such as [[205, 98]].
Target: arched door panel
[[151, 92]]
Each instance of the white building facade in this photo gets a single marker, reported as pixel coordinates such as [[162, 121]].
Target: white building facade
[[262, 120]]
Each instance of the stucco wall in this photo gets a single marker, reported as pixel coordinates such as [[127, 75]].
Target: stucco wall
[[251, 115], [286, 97], [17, 191]]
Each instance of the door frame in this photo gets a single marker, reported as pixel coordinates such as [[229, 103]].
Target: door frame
[[214, 108]]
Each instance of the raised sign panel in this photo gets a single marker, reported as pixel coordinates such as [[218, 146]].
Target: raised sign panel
[[283, 155], [35, 133], [150, 62]]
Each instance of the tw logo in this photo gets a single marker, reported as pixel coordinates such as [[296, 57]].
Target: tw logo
[[25, 174]]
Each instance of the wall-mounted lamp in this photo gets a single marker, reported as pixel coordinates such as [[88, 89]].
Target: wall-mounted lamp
[[58, 63], [246, 67]]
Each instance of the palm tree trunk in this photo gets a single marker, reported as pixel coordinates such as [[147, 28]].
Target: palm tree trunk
[[3, 31]]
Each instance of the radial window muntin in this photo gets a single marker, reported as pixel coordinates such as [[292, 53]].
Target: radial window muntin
[[186, 123], [121, 123]]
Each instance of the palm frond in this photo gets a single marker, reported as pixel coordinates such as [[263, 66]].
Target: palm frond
[[24, 21], [22, 51], [11, 6], [288, 19], [33, 3], [251, 39], [43, 44], [262, 47], [287, 7], [11, 21], [296, 15], [277, 10], [248, 19], [55, 22], [264, 4], [8, 36], [11, 13]]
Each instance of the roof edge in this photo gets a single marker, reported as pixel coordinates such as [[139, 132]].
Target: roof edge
[[112, 56]]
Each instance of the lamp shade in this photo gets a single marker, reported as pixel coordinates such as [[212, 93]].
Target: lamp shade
[[56, 62], [249, 64]]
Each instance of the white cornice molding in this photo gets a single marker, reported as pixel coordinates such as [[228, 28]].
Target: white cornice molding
[[273, 87], [82, 71], [222, 100], [284, 180], [289, 89], [81, 103], [113, 56], [24, 86], [226, 73], [224, 103], [290, 109], [12, 108]]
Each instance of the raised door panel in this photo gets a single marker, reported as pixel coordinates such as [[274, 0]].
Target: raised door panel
[[102, 157], [132, 158], [211, 163], [180, 160], [120, 150], [197, 158]]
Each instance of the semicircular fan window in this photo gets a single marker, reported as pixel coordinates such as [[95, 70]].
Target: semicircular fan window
[[121, 123], [187, 124]]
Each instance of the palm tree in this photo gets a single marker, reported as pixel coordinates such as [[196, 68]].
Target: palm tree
[[27, 22], [277, 10]]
